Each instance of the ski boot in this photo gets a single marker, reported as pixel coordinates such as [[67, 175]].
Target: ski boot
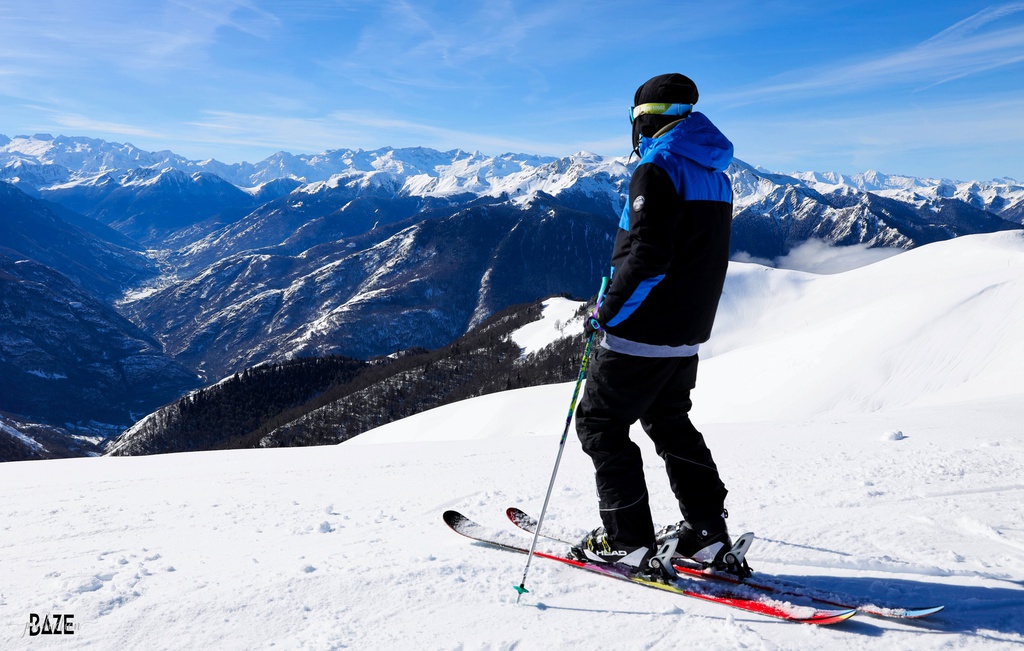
[[639, 560], [708, 543], [598, 547]]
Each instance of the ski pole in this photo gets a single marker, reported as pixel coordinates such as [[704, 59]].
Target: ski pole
[[521, 588]]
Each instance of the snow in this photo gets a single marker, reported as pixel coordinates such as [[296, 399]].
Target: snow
[[558, 320], [50, 376], [867, 424], [24, 438], [947, 331]]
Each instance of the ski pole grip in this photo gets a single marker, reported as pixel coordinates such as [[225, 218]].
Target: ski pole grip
[[600, 298]]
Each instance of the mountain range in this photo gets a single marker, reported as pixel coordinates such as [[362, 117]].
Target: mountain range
[[209, 268]]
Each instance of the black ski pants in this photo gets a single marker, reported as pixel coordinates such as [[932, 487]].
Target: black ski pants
[[620, 390]]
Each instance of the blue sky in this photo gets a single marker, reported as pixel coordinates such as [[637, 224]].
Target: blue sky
[[928, 88]]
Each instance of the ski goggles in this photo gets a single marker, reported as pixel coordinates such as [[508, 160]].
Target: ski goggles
[[656, 108]]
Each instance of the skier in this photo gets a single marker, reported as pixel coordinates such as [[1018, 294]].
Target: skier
[[668, 263]]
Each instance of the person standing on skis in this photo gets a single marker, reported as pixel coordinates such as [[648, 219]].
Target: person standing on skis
[[668, 263]]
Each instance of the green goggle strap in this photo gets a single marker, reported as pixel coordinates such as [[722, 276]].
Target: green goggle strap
[[657, 108]]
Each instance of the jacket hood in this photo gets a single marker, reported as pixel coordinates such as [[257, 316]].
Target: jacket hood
[[695, 138]]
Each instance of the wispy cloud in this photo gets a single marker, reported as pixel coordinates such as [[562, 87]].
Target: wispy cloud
[[64, 35], [476, 48], [345, 129], [971, 52], [241, 15], [974, 23], [984, 41], [82, 124], [969, 138]]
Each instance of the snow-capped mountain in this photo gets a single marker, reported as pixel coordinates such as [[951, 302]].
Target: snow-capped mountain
[[150, 204], [1004, 197], [775, 212], [365, 252], [80, 157]]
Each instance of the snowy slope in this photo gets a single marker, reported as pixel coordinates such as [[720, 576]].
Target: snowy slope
[[558, 320], [930, 326], [874, 441]]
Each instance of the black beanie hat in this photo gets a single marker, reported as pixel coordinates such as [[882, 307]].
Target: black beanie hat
[[672, 88]]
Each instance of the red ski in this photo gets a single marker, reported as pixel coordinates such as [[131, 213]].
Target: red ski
[[766, 584], [755, 603]]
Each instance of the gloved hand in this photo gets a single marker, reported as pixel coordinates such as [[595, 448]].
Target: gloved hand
[[591, 327]]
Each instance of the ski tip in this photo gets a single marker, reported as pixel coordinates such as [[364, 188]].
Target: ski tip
[[900, 613], [454, 519], [521, 518], [915, 613], [517, 516], [825, 617], [451, 516]]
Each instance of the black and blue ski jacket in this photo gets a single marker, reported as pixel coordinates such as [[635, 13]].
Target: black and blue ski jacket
[[671, 251]]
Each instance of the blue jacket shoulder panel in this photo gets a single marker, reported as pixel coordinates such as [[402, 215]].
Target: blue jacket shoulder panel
[[695, 154]]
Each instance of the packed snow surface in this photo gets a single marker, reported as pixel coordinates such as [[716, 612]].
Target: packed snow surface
[[869, 426], [558, 320]]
